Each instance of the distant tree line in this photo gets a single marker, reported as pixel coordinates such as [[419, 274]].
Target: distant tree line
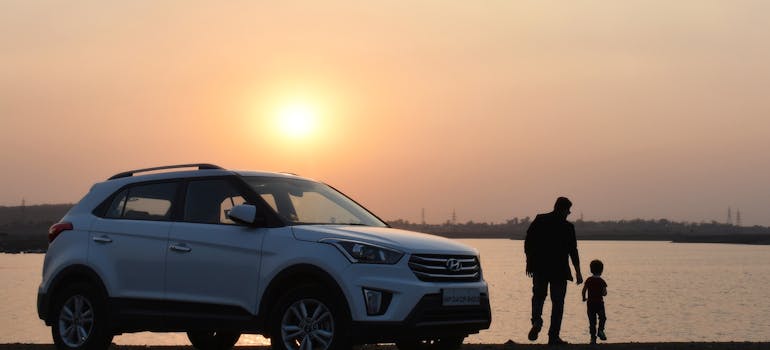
[[25, 228], [637, 229]]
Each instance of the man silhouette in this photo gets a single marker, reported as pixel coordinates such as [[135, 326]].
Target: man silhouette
[[549, 245]]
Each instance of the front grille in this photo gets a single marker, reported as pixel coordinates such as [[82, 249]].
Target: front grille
[[437, 268]]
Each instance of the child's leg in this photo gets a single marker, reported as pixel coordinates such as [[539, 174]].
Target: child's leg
[[602, 317], [592, 321]]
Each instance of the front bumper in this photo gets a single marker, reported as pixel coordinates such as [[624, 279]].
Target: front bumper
[[428, 319]]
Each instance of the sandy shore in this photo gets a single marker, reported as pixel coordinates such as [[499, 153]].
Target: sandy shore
[[508, 346]]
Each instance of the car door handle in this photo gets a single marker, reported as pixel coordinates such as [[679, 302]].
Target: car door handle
[[102, 239], [180, 247]]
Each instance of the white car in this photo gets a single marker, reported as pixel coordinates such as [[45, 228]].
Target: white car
[[217, 253]]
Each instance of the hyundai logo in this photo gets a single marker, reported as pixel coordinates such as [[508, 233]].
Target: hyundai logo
[[453, 265]]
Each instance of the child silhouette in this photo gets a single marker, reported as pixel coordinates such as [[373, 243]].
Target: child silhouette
[[596, 289]]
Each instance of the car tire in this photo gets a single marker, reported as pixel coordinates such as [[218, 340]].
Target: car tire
[[80, 319], [203, 340], [308, 317], [443, 343]]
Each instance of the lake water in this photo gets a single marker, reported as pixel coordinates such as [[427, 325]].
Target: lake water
[[657, 292]]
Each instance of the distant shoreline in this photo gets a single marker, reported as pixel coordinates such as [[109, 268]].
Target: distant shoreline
[[507, 346], [25, 228]]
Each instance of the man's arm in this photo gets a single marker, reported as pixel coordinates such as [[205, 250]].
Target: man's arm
[[529, 240], [574, 256], [530, 249]]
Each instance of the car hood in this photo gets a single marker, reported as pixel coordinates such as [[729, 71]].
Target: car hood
[[405, 241]]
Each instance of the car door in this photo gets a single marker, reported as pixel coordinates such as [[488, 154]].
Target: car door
[[127, 245], [212, 260]]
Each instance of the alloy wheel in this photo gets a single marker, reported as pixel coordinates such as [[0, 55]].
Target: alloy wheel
[[307, 324], [76, 321]]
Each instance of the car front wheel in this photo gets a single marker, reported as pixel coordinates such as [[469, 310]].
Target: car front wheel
[[307, 318]]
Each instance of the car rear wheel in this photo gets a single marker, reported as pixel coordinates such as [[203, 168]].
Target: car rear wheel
[[213, 340], [81, 321]]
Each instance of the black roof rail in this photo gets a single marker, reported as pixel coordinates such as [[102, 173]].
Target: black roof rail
[[200, 166]]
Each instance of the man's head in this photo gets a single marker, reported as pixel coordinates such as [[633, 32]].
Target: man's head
[[562, 206]]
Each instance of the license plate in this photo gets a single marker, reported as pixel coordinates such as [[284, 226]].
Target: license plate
[[460, 296]]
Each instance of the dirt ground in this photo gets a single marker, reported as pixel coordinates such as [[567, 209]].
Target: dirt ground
[[507, 346]]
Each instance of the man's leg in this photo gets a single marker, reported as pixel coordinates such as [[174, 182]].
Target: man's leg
[[539, 292], [558, 292]]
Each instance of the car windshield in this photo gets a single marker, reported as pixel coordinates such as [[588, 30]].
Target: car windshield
[[302, 202]]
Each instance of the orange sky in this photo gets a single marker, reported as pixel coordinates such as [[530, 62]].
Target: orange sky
[[651, 109]]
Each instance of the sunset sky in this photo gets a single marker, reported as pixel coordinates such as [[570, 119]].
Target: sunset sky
[[649, 109]]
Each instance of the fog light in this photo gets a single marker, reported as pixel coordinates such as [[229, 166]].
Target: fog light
[[377, 301]]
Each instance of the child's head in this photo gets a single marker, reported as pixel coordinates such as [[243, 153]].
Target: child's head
[[597, 267]]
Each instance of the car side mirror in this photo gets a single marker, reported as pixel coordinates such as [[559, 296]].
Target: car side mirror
[[245, 214]]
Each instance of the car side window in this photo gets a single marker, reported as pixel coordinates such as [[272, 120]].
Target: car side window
[[270, 200], [144, 202], [209, 201]]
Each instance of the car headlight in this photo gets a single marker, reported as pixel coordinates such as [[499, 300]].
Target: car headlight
[[365, 253]]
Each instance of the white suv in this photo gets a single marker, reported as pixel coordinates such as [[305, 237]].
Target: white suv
[[217, 253]]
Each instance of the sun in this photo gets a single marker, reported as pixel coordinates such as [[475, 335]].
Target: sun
[[297, 119]]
